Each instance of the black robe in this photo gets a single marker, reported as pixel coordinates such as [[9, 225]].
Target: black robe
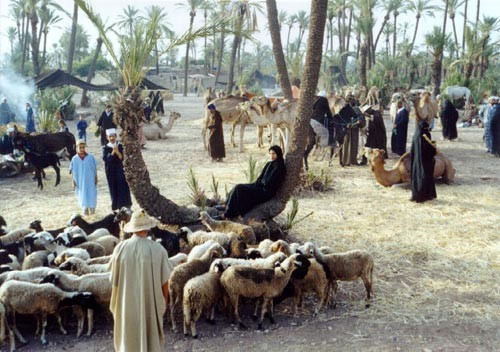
[[377, 135], [422, 165], [105, 122], [216, 147], [400, 132], [117, 184], [449, 118], [354, 120], [243, 197], [494, 123]]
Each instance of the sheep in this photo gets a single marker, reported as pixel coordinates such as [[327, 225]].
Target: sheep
[[122, 217], [199, 237], [98, 234], [238, 249], [182, 273], [71, 236], [42, 161], [260, 229], [200, 249], [30, 275], [10, 260], [94, 249], [13, 236], [38, 259], [80, 267], [98, 284], [100, 260], [245, 232], [109, 243], [108, 222], [169, 240], [284, 246], [262, 263], [178, 259], [71, 252], [2, 323], [39, 299], [255, 282], [348, 266], [201, 293], [63, 252], [264, 250]]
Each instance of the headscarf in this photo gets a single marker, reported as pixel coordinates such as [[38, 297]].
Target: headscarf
[[278, 151], [211, 107]]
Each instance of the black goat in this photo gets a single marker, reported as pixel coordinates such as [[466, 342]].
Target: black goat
[[42, 161], [169, 240], [37, 226], [108, 222]]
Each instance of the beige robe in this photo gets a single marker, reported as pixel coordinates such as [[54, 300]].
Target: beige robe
[[139, 268]]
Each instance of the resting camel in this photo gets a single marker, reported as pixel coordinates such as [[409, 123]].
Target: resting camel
[[401, 171]]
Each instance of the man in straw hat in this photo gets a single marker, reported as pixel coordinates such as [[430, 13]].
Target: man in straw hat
[[83, 167], [139, 277]]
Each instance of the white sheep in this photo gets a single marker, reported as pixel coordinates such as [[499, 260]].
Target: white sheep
[[80, 267], [98, 284], [178, 259], [245, 232], [197, 251], [348, 266], [37, 299], [263, 263], [201, 293], [182, 273], [200, 237], [14, 236], [98, 234], [263, 250], [100, 260], [240, 281], [109, 242], [30, 275], [284, 246], [94, 249], [71, 252], [38, 259]]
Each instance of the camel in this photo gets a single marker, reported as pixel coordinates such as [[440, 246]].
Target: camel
[[426, 107], [401, 171], [227, 108], [155, 130], [373, 96], [256, 118]]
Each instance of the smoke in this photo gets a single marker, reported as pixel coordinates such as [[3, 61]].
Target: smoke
[[18, 91]]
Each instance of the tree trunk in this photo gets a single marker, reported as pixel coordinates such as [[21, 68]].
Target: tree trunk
[[279, 57], [363, 58], [436, 75], [465, 26], [414, 36], [219, 60], [309, 83], [186, 60], [34, 44], [128, 113], [72, 42], [24, 43], [232, 62], [394, 36], [85, 100], [455, 35], [157, 59], [44, 62], [386, 19]]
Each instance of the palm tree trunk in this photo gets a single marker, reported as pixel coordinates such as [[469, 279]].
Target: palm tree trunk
[[34, 44], [386, 19], [157, 59], [310, 77], [394, 36], [44, 62], [279, 57], [219, 60], [465, 26], [230, 77], [72, 42], [436, 75], [85, 100], [414, 36], [186, 59], [128, 113], [288, 40], [455, 35], [363, 58], [25, 45]]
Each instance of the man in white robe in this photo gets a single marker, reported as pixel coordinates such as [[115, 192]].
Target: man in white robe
[[140, 270]]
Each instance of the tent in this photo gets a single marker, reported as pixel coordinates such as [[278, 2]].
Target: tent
[[58, 78]]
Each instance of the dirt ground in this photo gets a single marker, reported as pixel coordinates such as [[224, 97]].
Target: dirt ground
[[436, 264]]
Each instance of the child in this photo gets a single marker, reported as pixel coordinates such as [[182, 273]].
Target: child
[[81, 127], [62, 126]]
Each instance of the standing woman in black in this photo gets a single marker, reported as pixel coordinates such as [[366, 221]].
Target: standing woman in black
[[423, 151], [243, 197]]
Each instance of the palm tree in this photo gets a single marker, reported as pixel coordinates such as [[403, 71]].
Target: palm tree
[[465, 25], [397, 9], [291, 20], [453, 6], [436, 41], [135, 52], [419, 8], [279, 57], [192, 6], [220, 13], [488, 25], [365, 25], [11, 34], [72, 42], [388, 6], [303, 22], [309, 84], [129, 17], [245, 21], [49, 19], [162, 28]]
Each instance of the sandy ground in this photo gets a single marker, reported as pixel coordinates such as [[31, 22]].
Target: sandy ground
[[436, 264]]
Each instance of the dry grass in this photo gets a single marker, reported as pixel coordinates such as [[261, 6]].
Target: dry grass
[[434, 262]]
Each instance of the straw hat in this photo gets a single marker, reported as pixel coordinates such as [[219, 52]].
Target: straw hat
[[140, 221]]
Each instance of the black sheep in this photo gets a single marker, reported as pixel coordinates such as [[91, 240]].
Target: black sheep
[[42, 161], [37, 226], [169, 240], [108, 222]]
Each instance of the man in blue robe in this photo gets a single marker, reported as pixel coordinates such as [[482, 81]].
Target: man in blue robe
[[83, 167]]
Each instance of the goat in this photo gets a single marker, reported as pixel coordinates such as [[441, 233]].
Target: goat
[[42, 161]]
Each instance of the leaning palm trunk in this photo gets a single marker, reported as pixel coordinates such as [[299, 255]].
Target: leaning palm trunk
[[85, 100], [436, 75], [309, 83]]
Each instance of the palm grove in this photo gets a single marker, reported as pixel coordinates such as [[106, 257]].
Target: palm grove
[[364, 40]]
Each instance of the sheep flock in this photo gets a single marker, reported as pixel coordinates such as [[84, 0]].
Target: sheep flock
[[219, 267]]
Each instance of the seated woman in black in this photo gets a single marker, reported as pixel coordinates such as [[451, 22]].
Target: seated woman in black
[[243, 197]]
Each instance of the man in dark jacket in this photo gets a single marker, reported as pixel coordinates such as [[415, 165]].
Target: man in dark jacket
[[376, 134], [105, 123], [400, 130]]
